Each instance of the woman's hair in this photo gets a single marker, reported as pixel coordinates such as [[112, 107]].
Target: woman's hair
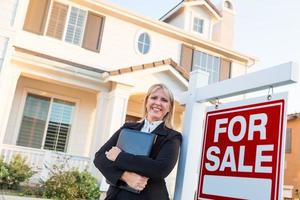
[[169, 116]]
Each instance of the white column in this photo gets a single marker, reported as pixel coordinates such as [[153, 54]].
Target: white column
[[8, 82], [110, 115], [187, 173]]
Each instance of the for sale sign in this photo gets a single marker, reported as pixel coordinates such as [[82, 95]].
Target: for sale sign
[[242, 154]]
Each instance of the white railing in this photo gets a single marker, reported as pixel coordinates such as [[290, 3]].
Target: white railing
[[38, 159]]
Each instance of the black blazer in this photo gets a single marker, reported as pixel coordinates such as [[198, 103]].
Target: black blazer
[[162, 160]]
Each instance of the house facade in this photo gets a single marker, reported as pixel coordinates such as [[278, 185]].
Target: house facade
[[73, 71], [292, 151]]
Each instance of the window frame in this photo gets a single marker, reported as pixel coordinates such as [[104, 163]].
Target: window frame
[[290, 132], [136, 42], [196, 17], [52, 96], [70, 6], [67, 23], [214, 57]]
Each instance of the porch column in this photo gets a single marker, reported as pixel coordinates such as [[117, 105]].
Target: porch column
[[8, 82], [110, 115]]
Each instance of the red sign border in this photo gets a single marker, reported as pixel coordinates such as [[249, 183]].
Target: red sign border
[[280, 145]]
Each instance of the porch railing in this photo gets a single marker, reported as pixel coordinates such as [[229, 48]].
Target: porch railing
[[40, 160]]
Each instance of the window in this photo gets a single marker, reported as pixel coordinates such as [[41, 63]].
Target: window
[[288, 141], [218, 68], [198, 25], [143, 43], [46, 123], [68, 23], [228, 5], [207, 63], [75, 26], [57, 20]]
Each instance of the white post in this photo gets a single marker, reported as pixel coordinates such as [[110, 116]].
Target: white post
[[187, 172], [111, 116], [8, 83]]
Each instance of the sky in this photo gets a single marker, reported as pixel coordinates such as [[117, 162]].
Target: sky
[[265, 29]]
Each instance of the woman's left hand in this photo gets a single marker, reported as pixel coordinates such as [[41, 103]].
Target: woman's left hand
[[113, 153]]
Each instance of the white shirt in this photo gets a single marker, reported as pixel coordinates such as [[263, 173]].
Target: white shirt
[[150, 126]]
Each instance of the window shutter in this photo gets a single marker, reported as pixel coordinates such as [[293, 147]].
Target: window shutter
[[59, 125], [36, 16], [33, 121], [57, 20], [225, 69], [93, 32], [288, 141], [186, 58]]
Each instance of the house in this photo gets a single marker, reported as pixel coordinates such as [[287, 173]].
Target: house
[[292, 162], [72, 71]]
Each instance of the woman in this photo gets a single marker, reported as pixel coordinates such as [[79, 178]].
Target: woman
[[142, 173]]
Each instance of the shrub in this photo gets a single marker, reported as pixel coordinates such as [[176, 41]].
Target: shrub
[[14, 173], [3, 173], [67, 185]]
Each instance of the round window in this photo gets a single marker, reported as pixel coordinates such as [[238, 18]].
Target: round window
[[143, 43]]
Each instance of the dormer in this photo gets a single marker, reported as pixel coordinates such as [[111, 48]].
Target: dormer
[[195, 16]]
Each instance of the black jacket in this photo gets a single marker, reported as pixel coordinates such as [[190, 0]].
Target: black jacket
[[162, 160]]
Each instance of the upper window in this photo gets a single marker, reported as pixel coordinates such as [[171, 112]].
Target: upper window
[[64, 22], [207, 63], [143, 43], [288, 141], [228, 5], [198, 25], [46, 123]]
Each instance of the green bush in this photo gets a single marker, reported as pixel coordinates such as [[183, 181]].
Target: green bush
[[67, 185], [14, 173], [3, 173]]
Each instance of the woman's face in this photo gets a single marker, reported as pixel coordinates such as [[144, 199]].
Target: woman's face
[[158, 105]]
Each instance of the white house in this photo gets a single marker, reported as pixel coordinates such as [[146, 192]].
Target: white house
[[72, 71]]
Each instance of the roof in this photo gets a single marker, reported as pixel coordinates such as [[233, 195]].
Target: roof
[[215, 11], [181, 70], [293, 116]]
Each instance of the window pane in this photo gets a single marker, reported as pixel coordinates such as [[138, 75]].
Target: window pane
[[203, 61], [33, 121], [144, 43], [207, 63], [198, 25], [288, 141], [75, 27], [59, 125]]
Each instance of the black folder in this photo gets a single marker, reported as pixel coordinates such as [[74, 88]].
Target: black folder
[[136, 143]]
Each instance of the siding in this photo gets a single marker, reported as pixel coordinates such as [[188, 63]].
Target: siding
[[8, 12], [3, 47]]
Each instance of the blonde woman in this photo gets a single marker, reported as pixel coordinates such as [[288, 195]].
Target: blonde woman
[[142, 173]]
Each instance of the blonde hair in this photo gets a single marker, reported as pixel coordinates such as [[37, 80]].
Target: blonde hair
[[169, 116]]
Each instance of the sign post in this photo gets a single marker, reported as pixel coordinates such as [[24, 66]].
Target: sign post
[[195, 99], [243, 150]]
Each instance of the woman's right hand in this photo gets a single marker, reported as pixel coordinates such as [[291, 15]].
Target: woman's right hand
[[134, 180]]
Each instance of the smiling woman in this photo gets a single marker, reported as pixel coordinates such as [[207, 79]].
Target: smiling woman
[[143, 173]]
